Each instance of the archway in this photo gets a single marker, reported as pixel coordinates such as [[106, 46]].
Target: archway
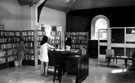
[[99, 22]]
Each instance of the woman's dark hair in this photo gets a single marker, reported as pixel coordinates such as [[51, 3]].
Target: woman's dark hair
[[44, 40]]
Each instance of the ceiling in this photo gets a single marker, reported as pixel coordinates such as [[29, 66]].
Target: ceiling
[[67, 5]]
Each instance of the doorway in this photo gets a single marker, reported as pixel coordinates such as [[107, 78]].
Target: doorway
[[98, 22]]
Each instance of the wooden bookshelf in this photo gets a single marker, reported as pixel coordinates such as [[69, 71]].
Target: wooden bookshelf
[[9, 41], [28, 37], [78, 39]]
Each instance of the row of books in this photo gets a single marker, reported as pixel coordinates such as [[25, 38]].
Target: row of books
[[54, 42], [2, 53], [55, 33], [77, 33], [29, 57], [11, 52], [78, 46], [78, 37], [2, 60], [12, 58], [2, 40], [17, 33], [2, 33], [9, 33], [9, 39], [29, 44], [9, 45], [39, 38], [79, 41], [27, 33], [28, 38], [30, 51], [39, 32]]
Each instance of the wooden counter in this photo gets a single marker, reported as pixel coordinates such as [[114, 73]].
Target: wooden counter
[[74, 64]]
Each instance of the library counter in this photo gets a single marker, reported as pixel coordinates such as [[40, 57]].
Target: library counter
[[75, 64]]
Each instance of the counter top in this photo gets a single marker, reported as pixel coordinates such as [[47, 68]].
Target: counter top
[[62, 54]]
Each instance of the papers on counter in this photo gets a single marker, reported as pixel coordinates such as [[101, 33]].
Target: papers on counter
[[60, 49]]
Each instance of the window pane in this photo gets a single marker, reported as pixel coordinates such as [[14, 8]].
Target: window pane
[[117, 35], [100, 23]]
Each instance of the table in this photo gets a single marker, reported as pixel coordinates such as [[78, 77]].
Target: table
[[119, 57]]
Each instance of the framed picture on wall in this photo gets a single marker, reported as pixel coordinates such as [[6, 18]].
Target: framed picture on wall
[[1, 26]]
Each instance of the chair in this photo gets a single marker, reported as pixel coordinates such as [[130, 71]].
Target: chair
[[133, 58], [109, 55], [56, 63], [57, 68]]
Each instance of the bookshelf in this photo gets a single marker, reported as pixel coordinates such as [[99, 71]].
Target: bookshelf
[[28, 38], [3, 57], [39, 36], [12, 39], [55, 38], [78, 39], [9, 41]]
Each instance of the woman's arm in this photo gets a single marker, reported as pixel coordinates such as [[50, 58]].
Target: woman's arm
[[50, 46]]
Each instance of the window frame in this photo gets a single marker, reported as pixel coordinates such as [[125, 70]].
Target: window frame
[[94, 20]]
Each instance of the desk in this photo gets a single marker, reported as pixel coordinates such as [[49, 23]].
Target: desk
[[74, 64], [119, 57]]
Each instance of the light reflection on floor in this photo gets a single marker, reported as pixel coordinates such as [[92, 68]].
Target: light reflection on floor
[[119, 70], [99, 72]]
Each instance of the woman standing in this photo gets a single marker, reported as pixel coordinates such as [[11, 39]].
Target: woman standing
[[68, 42], [44, 55]]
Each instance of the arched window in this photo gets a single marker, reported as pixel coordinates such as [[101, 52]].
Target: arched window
[[99, 22]]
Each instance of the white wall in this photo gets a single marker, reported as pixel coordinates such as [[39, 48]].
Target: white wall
[[26, 17], [10, 14], [53, 17], [16, 17]]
